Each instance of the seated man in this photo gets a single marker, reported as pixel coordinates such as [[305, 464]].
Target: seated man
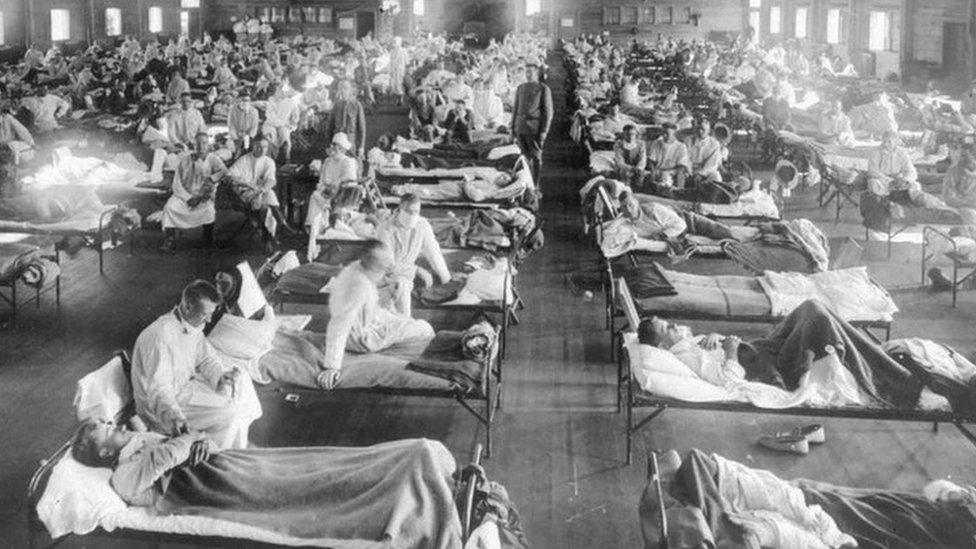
[[459, 123], [357, 322], [705, 153], [15, 135], [356, 495], [835, 126], [409, 236], [46, 108], [178, 381], [185, 123], [668, 158], [783, 358], [281, 118], [959, 186], [489, 112], [630, 157], [338, 169], [243, 121], [194, 187], [254, 180]]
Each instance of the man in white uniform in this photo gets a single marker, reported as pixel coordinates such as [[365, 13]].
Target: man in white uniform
[[185, 123], [706, 153], [194, 187], [669, 158], [281, 118], [178, 381], [254, 177], [357, 322], [410, 236]]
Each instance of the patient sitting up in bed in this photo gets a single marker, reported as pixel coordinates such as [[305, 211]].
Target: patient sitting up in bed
[[178, 381], [395, 494], [409, 236], [784, 356], [892, 177], [357, 321]]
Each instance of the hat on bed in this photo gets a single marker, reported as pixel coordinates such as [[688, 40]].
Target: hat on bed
[[786, 175]]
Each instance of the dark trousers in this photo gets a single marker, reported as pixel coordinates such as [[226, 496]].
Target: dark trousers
[[531, 145]]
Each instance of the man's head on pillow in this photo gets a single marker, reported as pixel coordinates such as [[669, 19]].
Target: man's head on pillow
[[98, 443], [658, 332]]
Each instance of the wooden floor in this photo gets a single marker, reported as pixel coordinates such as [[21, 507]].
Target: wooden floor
[[559, 444]]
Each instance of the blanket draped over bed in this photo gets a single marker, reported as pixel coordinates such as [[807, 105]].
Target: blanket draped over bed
[[699, 506], [399, 493], [813, 326]]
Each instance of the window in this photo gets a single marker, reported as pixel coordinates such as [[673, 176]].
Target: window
[[263, 14], [611, 15], [801, 23], [277, 15], [650, 16], [533, 7], [686, 15], [628, 15], [667, 15], [188, 4], [325, 15], [294, 15], [60, 25], [155, 19], [879, 31], [184, 23], [420, 8], [836, 31], [755, 4], [113, 21], [3, 38], [775, 20], [754, 18]]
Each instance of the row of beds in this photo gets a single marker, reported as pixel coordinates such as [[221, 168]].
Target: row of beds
[[381, 376], [631, 292], [366, 374]]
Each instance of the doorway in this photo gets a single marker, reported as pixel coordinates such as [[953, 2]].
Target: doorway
[[365, 23]]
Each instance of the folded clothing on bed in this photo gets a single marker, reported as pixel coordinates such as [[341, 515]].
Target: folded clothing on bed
[[39, 272], [307, 279], [648, 281], [849, 292]]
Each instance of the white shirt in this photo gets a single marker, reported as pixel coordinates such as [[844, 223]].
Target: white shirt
[[255, 172], [354, 302], [281, 112], [167, 355], [409, 243]]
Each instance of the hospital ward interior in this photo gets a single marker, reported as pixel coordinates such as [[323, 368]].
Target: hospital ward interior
[[488, 274]]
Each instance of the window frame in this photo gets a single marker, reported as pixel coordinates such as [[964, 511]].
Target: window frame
[[806, 23], [108, 29], [67, 24], [775, 22], [885, 41], [419, 8], [158, 10]]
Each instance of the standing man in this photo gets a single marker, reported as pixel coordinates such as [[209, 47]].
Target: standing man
[[178, 381], [281, 118], [531, 117], [348, 117], [243, 121]]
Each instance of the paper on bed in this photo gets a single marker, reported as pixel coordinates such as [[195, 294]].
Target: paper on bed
[[251, 299]]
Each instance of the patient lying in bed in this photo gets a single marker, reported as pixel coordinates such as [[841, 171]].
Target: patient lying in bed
[[716, 502], [812, 357], [398, 492], [50, 204]]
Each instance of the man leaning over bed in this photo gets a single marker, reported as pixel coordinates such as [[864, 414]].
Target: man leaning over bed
[[178, 381], [357, 322]]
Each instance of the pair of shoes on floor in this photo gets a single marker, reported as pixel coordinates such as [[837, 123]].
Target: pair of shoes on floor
[[795, 441]]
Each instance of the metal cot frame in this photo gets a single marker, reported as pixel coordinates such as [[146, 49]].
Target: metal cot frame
[[636, 397]]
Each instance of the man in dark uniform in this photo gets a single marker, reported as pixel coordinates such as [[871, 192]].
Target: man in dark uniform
[[532, 115]]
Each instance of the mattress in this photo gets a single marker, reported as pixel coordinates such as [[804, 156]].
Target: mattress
[[82, 224], [718, 296]]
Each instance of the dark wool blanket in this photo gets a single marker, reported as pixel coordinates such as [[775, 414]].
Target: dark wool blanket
[[780, 358], [396, 494]]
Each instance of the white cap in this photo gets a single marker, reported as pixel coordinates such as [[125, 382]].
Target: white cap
[[342, 140]]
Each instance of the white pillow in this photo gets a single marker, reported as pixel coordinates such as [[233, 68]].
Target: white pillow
[[77, 498], [663, 361]]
